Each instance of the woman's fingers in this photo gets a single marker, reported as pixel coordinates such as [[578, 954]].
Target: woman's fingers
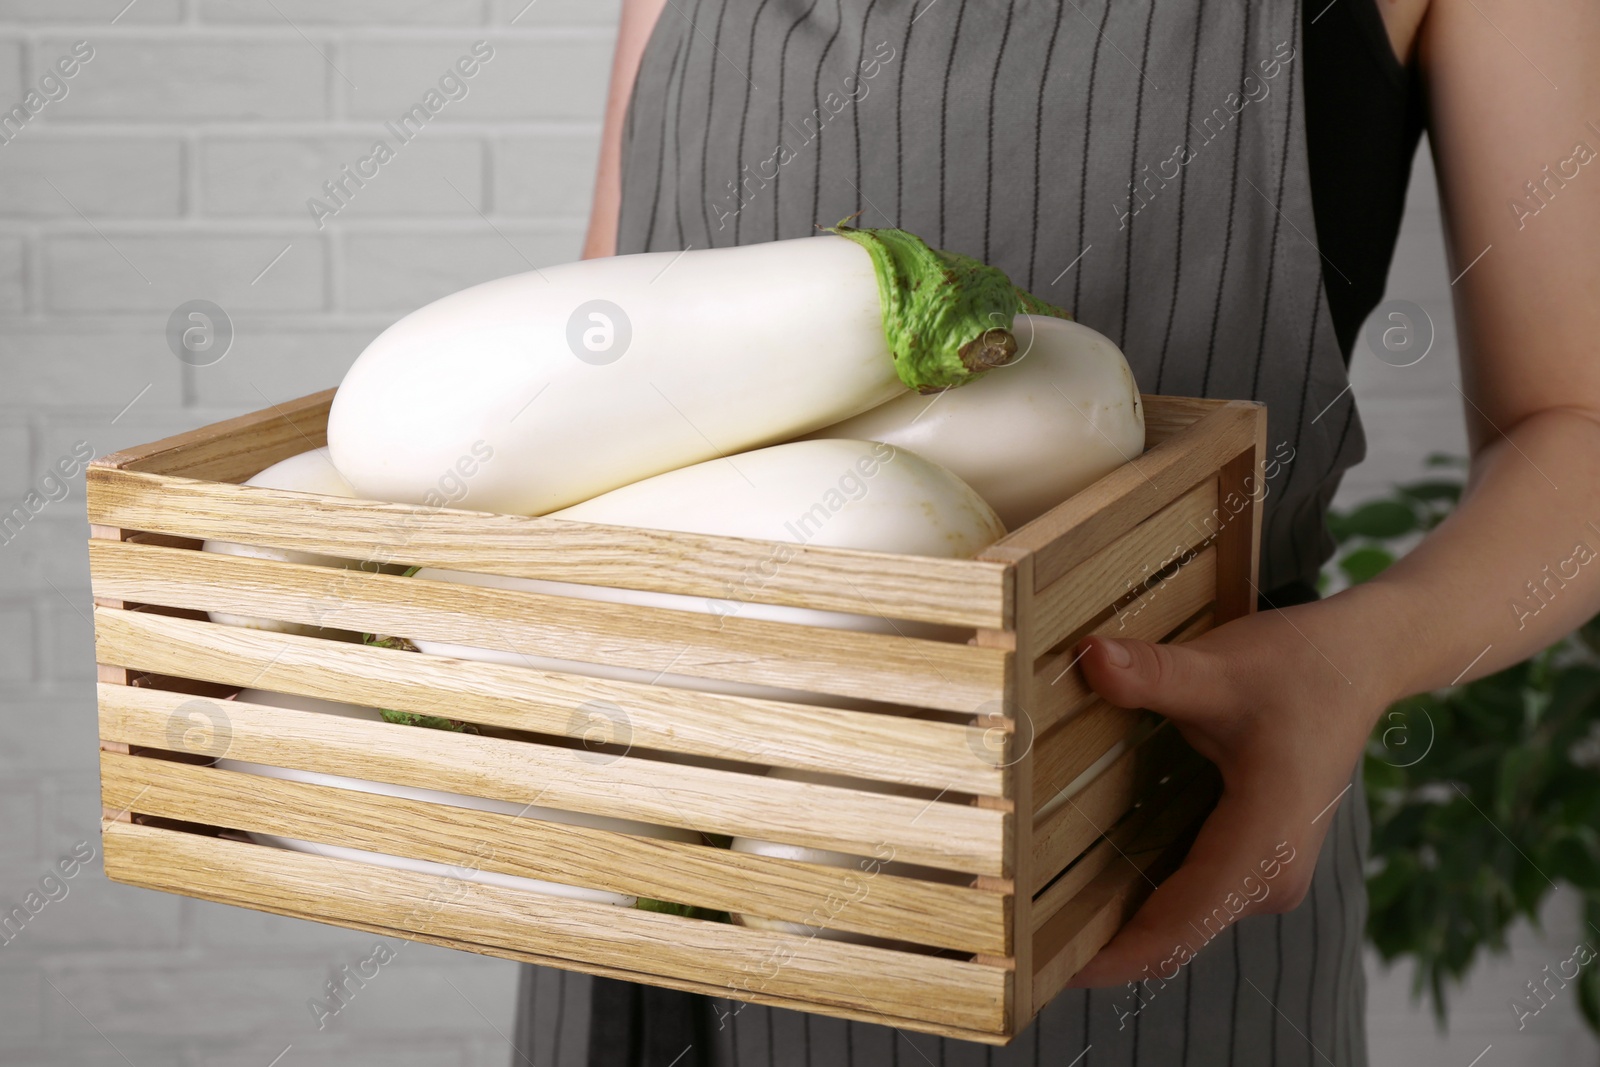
[[1183, 682], [1248, 859], [1244, 696]]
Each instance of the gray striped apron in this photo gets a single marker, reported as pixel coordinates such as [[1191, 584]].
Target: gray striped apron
[[1144, 168]]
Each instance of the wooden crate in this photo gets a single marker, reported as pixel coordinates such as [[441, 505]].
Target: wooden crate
[[978, 729]]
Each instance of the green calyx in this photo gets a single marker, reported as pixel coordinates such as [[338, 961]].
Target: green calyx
[[431, 722], [947, 317]]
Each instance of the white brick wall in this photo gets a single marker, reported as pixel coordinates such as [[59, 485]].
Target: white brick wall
[[177, 167]]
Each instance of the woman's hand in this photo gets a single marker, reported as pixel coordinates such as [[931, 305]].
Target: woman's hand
[[1282, 703]]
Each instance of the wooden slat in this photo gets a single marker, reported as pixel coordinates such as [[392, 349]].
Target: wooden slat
[[687, 985], [1076, 529], [953, 992], [1167, 416], [1126, 566], [1059, 688], [1193, 793], [235, 449], [881, 905], [1074, 746], [953, 836], [1242, 489], [1017, 765], [107, 674], [1064, 834], [888, 667], [956, 592], [880, 747], [1079, 930]]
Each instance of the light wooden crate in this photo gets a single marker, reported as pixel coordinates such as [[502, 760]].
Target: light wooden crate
[[978, 728]]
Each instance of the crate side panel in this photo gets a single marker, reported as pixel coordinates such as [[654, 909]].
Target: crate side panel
[[1167, 416], [1059, 688], [228, 451], [826, 973], [1062, 836], [877, 904], [869, 666], [1072, 936], [1126, 566], [954, 592], [1181, 794], [1088, 522], [952, 836], [869, 745], [1075, 746], [1242, 487]]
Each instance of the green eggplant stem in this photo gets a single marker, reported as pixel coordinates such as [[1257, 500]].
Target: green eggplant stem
[[946, 317]]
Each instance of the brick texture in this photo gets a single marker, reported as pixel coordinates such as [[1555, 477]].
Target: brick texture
[[178, 166], [50, 175], [92, 11]]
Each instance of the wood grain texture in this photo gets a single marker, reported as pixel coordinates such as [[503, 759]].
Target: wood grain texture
[[1074, 746], [871, 666], [1043, 893], [824, 973], [687, 985], [1017, 764], [1127, 567], [936, 834], [880, 905], [1167, 416], [1242, 490], [1059, 689], [1062, 836], [881, 747], [232, 450], [106, 674], [1190, 793], [1080, 929], [1079, 527], [956, 592]]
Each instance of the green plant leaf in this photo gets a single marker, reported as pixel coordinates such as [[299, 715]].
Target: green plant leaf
[[1382, 520], [1339, 527], [1433, 491], [1589, 995]]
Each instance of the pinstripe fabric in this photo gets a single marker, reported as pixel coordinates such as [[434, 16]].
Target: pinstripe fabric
[[553, 1011], [1212, 287], [1041, 137]]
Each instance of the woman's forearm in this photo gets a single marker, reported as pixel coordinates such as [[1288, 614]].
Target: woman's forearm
[[1512, 570], [633, 33]]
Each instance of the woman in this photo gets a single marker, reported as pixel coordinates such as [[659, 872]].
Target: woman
[[1216, 185]]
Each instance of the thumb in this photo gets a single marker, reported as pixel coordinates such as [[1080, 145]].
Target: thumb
[[1181, 682]]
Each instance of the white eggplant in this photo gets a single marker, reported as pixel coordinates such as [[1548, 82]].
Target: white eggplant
[[1028, 435], [466, 869], [849, 494], [308, 472], [588, 376]]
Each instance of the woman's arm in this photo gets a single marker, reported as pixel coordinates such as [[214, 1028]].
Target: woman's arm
[[1283, 701], [1528, 313], [638, 19]]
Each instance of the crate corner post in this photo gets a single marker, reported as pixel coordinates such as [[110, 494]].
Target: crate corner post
[[107, 675], [1016, 640], [1238, 538]]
